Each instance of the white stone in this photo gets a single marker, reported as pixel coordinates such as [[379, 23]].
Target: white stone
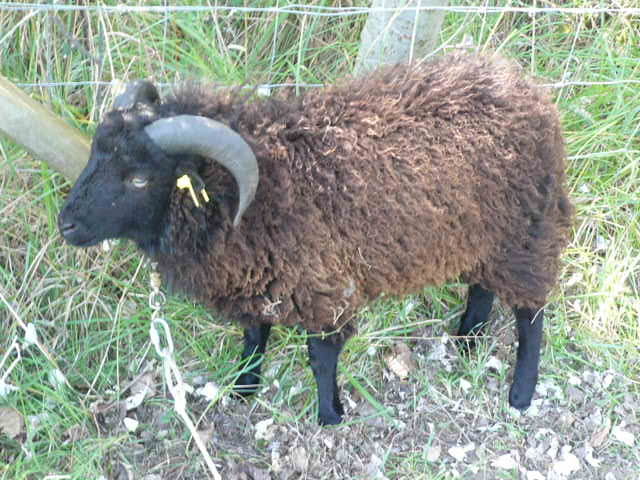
[[131, 424], [505, 462], [465, 385], [210, 391], [433, 453], [30, 335], [534, 475], [263, 432], [494, 363], [460, 452], [623, 436], [567, 463]]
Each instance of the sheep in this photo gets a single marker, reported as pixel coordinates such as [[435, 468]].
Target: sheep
[[412, 176]]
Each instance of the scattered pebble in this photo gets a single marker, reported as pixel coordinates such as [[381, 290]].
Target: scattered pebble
[[506, 461], [588, 456], [601, 243], [566, 464], [300, 459], [574, 380], [465, 385], [57, 378], [11, 422], [399, 361], [623, 436], [494, 363], [263, 432], [459, 453], [534, 475], [535, 407], [433, 453], [210, 391], [552, 451], [607, 381], [30, 335], [575, 395], [131, 424], [439, 353], [601, 434]]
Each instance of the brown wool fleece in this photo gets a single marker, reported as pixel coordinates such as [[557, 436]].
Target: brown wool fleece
[[409, 177]]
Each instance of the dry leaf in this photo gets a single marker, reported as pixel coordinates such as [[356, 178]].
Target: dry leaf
[[11, 422], [144, 383], [400, 361], [75, 433], [206, 434], [143, 387], [601, 435]]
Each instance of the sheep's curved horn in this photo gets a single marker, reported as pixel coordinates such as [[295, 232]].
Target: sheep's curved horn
[[203, 136], [142, 91]]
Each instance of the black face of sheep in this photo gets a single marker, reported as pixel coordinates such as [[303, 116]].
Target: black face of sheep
[[123, 191], [135, 160], [407, 178]]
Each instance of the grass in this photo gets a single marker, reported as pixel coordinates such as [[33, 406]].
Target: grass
[[90, 307]]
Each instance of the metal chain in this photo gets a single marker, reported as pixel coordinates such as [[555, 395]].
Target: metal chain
[[172, 375], [5, 387]]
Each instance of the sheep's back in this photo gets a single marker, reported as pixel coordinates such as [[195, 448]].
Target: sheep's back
[[417, 175]]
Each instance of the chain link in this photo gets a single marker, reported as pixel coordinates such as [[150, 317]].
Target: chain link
[[161, 338], [4, 386]]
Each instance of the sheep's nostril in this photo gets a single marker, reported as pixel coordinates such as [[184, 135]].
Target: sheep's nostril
[[67, 228]]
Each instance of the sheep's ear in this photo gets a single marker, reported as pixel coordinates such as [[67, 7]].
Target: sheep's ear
[[139, 91]]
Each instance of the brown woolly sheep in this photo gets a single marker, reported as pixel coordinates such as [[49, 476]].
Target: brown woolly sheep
[[410, 177]]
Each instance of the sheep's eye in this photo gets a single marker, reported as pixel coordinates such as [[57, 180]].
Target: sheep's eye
[[139, 182]]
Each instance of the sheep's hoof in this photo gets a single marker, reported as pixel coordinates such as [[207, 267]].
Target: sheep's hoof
[[329, 418], [520, 395], [246, 385]]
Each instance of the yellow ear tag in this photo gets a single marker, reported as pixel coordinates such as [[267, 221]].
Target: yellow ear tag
[[184, 182]]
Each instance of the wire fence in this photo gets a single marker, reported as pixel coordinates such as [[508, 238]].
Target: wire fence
[[533, 10], [315, 10]]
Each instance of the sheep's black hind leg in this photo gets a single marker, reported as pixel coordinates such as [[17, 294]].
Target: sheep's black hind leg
[[475, 317], [323, 356], [255, 343], [529, 323]]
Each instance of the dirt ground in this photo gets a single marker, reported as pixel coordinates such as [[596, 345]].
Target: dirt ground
[[440, 427]]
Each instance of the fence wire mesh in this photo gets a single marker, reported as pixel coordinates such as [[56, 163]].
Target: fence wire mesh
[[108, 42]]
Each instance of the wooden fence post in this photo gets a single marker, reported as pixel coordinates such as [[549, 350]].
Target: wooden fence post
[[46, 136], [399, 34]]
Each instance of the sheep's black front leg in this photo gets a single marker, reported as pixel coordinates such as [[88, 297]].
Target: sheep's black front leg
[[323, 356], [529, 323], [255, 343], [475, 316]]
